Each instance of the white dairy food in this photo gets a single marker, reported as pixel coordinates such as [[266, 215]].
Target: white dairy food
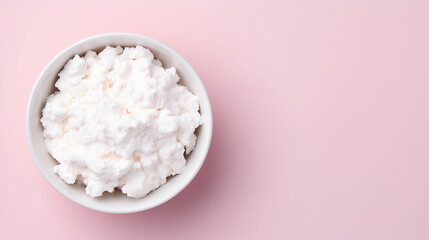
[[119, 120]]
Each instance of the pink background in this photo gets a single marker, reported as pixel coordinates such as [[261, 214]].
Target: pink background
[[321, 118]]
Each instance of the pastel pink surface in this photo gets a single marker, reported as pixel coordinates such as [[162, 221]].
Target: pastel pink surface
[[321, 118]]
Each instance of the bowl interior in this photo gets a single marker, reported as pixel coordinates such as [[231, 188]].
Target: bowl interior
[[117, 202]]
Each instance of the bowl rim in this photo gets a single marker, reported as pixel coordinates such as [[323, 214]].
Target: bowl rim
[[208, 120]]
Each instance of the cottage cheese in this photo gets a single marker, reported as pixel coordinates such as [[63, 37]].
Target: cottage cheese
[[119, 120]]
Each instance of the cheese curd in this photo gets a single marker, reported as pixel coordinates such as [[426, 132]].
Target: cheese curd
[[119, 120]]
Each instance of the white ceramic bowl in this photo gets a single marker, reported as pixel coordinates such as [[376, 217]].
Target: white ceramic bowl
[[117, 202]]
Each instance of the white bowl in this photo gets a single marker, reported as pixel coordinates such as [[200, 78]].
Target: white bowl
[[117, 202]]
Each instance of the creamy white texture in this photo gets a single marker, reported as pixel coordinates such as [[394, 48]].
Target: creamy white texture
[[119, 120]]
